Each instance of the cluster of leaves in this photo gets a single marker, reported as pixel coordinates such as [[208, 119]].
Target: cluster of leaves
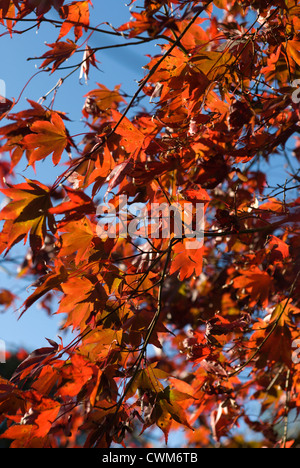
[[165, 335]]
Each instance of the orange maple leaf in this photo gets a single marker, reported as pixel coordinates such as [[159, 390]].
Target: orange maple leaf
[[47, 138], [273, 336], [293, 50], [257, 283], [132, 137], [104, 99], [27, 212], [187, 261], [77, 238], [60, 51], [77, 16], [42, 6]]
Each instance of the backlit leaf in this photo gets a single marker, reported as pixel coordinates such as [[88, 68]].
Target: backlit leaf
[[47, 138], [26, 214]]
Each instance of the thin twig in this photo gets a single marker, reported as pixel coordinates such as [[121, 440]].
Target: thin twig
[[150, 328]]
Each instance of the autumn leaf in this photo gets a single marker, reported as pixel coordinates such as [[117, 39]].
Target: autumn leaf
[[132, 139], [274, 338], [45, 416], [42, 6], [8, 11], [15, 132], [75, 205], [75, 15], [76, 375], [168, 409], [60, 51], [214, 65], [187, 261], [5, 106], [4, 7], [7, 298], [47, 138], [164, 418], [102, 342], [293, 50], [80, 310], [143, 22], [103, 99], [196, 195], [34, 361], [180, 330], [19, 432], [148, 379], [118, 173], [279, 249], [78, 234], [26, 213], [258, 284], [52, 281]]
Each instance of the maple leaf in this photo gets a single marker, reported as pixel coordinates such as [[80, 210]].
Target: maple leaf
[[7, 298], [103, 99], [143, 22], [257, 283], [77, 16], [35, 426], [279, 249], [224, 417], [213, 105], [15, 132], [273, 336], [4, 7], [132, 138], [7, 9], [5, 106], [76, 375], [197, 195], [118, 173], [76, 205], [47, 138], [293, 50], [49, 282], [26, 213], [34, 360], [188, 261], [60, 51], [167, 408], [77, 237], [19, 432], [79, 310], [42, 6], [100, 342], [10, 397]]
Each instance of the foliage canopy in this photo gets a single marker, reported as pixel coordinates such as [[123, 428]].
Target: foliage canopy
[[164, 336]]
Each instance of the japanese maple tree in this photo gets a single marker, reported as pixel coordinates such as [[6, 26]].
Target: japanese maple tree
[[164, 335]]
